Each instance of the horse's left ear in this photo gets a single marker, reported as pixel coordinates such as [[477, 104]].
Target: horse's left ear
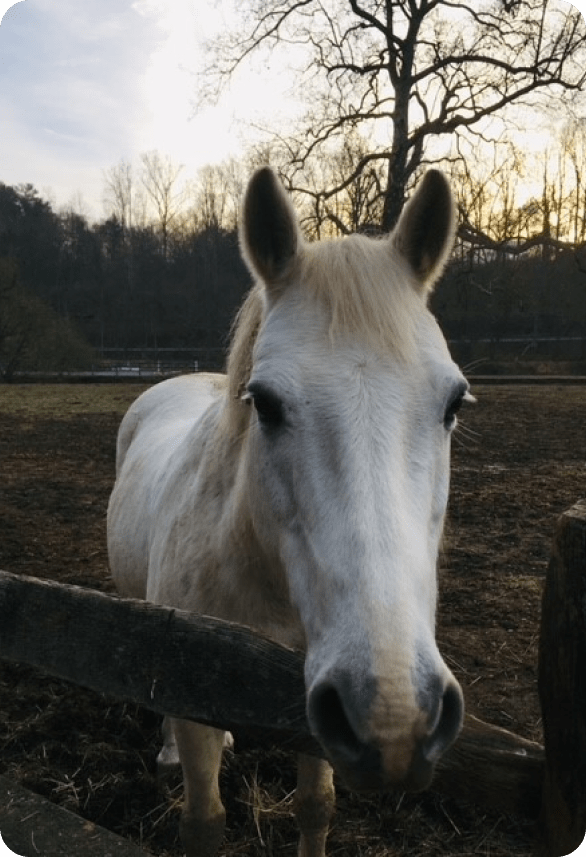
[[269, 231], [426, 229]]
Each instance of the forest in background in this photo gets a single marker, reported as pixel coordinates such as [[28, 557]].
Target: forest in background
[[69, 291], [165, 287]]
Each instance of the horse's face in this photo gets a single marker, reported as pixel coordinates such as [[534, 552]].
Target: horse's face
[[348, 460]]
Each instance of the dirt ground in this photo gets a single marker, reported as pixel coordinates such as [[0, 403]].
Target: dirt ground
[[519, 461]]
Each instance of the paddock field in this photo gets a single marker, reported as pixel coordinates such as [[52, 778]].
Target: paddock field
[[519, 461]]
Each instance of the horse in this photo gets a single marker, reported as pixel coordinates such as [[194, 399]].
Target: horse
[[303, 494]]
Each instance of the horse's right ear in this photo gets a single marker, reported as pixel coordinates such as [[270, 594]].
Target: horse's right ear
[[269, 231]]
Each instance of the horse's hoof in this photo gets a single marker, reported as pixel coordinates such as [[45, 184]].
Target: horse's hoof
[[202, 838]]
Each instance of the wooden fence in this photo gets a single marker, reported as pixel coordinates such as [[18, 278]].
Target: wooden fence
[[215, 672]]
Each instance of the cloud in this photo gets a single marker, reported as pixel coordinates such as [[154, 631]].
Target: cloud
[[86, 83], [70, 84]]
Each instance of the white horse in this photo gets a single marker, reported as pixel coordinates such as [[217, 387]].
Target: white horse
[[304, 495]]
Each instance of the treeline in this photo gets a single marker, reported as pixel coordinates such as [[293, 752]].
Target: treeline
[[515, 309], [70, 291]]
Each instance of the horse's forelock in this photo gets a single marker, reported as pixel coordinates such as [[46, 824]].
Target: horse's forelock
[[367, 290]]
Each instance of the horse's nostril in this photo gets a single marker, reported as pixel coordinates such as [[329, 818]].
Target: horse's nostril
[[330, 724], [447, 725]]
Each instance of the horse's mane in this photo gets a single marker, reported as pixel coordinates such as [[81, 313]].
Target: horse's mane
[[244, 332], [365, 287]]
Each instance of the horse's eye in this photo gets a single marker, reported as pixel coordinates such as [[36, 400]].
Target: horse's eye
[[268, 405], [454, 406], [452, 411]]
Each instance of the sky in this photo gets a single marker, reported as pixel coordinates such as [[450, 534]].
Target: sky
[[85, 84]]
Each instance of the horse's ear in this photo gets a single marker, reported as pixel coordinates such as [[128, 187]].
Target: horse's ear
[[269, 231], [426, 229]]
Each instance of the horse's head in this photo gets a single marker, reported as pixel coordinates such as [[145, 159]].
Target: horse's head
[[353, 399]]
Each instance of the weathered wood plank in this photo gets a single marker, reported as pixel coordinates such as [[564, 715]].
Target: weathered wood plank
[[31, 826], [215, 672], [170, 661], [493, 767], [562, 686]]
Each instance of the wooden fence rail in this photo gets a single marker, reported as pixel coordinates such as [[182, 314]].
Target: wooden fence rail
[[215, 672]]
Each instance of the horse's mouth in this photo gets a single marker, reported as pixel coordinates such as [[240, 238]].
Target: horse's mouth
[[418, 779]]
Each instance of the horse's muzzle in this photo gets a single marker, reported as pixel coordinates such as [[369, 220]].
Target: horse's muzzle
[[403, 755]]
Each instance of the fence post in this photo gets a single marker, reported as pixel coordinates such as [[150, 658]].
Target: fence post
[[562, 686]]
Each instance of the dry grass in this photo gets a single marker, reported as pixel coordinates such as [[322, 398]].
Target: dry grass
[[66, 401]]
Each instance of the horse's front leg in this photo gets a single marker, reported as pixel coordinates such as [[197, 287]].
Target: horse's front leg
[[314, 804], [168, 763], [203, 818]]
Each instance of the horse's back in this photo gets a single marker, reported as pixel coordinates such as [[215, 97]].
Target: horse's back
[[171, 405], [150, 440]]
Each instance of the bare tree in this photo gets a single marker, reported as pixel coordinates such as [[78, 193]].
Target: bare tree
[[573, 147], [411, 75], [217, 193], [553, 220], [159, 178], [358, 206], [119, 193], [120, 198]]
